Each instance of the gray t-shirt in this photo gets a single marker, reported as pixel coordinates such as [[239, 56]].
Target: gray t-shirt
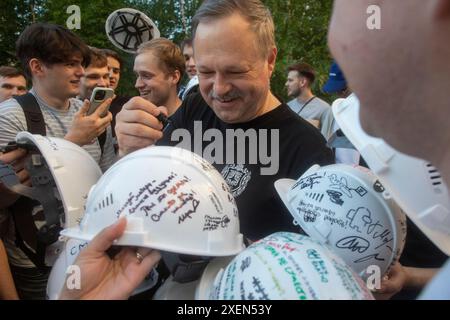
[[57, 124], [314, 110]]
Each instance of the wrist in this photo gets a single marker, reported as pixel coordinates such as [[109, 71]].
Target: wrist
[[418, 277], [72, 138], [409, 278]]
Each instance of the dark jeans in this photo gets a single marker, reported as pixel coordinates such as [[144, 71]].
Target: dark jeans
[[31, 283]]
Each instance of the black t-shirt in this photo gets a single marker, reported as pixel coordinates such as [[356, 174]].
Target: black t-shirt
[[261, 211]]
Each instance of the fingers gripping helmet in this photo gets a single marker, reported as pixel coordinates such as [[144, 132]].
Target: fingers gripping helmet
[[288, 266], [63, 268], [415, 184], [347, 208], [174, 201]]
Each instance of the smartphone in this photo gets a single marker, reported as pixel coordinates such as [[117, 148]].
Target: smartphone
[[98, 96]]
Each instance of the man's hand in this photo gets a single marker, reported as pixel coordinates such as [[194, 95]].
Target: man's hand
[[392, 283], [137, 126], [103, 278], [400, 277], [16, 158], [85, 129]]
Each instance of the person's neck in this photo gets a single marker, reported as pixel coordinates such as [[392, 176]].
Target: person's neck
[[270, 104], [305, 96], [51, 100], [172, 104]]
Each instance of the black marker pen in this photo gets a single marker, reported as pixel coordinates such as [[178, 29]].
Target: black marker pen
[[164, 120]]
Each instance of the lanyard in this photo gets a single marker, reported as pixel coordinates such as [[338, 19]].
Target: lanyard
[[307, 102]]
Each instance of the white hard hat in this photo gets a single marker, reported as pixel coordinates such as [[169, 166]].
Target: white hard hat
[[347, 208], [288, 266], [66, 260], [127, 28], [54, 165], [413, 183], [195, 290], [174, 201], [67, 162]]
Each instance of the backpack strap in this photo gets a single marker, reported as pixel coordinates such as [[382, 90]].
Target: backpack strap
[[27, 235], [35, 119], [33, 114]]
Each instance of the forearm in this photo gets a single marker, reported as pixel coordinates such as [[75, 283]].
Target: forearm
[[419, 277], [7, 287], [74, 139]]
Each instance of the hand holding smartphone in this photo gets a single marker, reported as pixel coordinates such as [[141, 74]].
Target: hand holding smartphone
[[99, 95]]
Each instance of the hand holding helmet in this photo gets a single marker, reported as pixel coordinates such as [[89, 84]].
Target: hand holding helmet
[[102, 277], [347, 208]]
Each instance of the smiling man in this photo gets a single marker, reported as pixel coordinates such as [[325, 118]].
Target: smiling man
[[235, 100], [159, 67], [54, 59], [96, 74]]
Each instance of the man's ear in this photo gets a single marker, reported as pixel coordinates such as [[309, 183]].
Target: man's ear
[[176, 77], [36, 67], [303, 82], [441, 9], [272, 59]]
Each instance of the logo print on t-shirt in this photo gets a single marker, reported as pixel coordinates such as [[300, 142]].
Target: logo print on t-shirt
[[237, 178]]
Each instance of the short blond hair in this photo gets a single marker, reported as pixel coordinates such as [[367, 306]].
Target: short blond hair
[[167, 52]]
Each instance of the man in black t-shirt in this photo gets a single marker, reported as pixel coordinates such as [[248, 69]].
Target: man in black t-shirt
[[293, 145], [235, 121]]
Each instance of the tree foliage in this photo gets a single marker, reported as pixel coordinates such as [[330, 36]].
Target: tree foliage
[[301, 35], [301, 28]]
